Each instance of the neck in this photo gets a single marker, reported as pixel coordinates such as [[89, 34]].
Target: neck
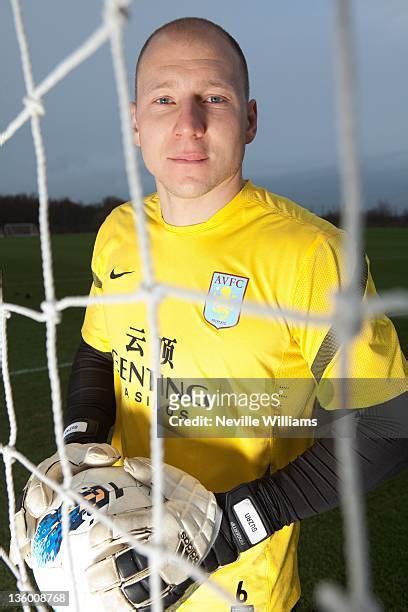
[[191, 211]]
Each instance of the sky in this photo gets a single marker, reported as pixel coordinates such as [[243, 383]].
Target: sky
[[290, 52]]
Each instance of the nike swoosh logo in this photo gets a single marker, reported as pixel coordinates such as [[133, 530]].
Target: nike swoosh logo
[[113, 275]]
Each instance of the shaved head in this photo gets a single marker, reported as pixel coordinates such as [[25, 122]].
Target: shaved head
[[193, 28], [192, 102]]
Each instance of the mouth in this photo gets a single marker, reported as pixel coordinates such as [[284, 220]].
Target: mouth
[[189, 158]]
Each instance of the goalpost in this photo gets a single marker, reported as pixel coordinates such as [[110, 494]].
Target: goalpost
[[358, 595], [20, 229]]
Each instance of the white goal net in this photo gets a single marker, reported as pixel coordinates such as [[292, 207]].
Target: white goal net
[[358, 595]]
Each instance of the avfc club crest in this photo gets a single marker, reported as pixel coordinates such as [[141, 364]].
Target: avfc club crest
[[224, 299]]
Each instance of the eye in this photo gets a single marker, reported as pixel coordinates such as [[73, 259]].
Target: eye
[[163, 100], [216, 99]]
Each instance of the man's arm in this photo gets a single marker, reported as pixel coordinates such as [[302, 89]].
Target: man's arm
[[253, 511], [306, 487], [90, 414], [90, 411], [309, 485]]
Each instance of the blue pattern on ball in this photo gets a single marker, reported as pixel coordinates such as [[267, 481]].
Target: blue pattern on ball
[[48, 536]]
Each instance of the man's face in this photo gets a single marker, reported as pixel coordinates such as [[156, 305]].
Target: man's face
[[191, 117]]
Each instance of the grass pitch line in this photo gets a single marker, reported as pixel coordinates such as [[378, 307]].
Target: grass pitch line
[[42, 369]]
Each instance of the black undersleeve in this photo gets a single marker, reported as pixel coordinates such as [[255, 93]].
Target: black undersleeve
[[91, 397], [309, 485]]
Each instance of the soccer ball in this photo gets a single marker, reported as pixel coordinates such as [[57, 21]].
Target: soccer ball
[[112, 491]]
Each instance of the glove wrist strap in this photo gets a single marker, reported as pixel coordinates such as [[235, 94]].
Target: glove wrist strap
[[248, 522], [84, 431]]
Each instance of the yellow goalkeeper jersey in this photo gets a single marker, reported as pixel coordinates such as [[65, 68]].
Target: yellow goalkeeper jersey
[[259, 248]]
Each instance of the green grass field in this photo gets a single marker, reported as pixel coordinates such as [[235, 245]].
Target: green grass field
[[320, 552]]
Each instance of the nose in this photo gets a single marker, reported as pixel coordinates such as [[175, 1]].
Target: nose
[[191, 119]]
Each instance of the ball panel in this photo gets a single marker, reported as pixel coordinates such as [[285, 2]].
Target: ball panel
[[111, 490]]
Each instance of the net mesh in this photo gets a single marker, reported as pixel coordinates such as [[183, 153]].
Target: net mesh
[[348, 312]]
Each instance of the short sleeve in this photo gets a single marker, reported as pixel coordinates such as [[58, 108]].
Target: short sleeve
[[374, 353], [94, 330]]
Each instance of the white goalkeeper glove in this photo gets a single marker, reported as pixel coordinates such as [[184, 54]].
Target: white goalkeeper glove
[[37, 496], [204, 528]]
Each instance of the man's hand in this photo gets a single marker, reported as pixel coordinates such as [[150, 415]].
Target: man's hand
[[37, 496], [189, 510], [192, 517], [206, 529], [119, 576], [241, 522]]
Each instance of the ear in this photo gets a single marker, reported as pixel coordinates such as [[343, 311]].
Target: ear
[[136, 135], [252, 121]]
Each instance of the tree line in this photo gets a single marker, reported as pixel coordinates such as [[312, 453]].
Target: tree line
[[382, 215], [65, 215], [68, 216]]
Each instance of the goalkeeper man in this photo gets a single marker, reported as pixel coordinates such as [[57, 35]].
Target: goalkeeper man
[[211, 230]]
